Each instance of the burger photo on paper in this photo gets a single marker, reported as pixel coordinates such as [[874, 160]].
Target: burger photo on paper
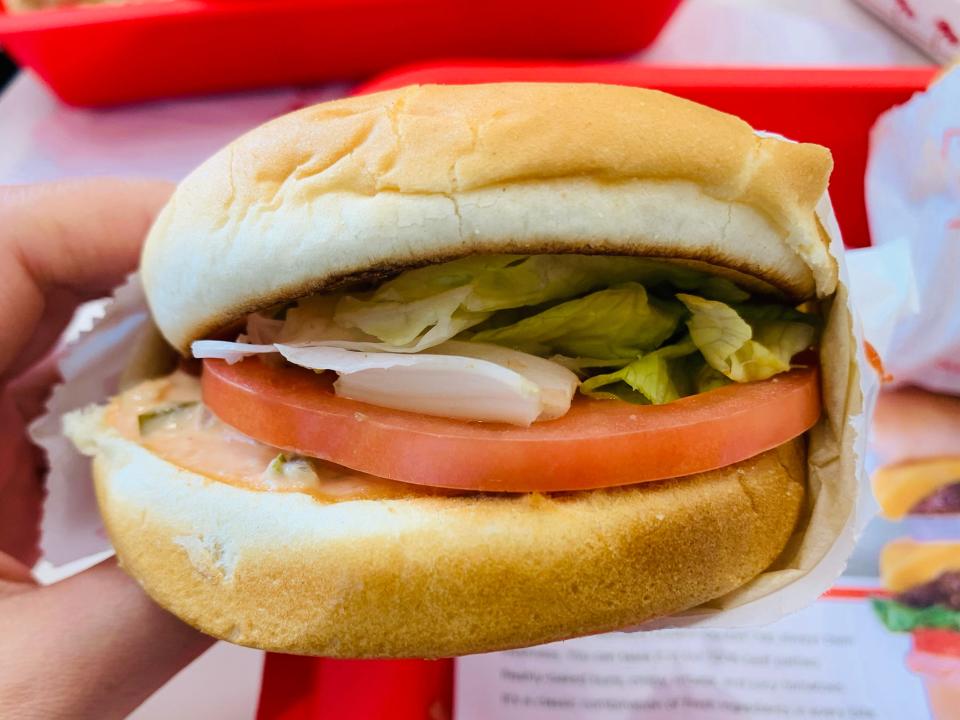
[[464, 368], [924, 580], [919, 486]]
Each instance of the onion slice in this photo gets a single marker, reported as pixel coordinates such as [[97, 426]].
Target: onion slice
[[462, 380], [557, 384], [446, 385], [232, 352]]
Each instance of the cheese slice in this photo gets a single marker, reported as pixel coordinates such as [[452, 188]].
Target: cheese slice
[[901, 486], [906, 563]]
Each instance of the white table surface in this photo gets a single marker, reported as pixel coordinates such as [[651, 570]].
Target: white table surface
[[41, 139]]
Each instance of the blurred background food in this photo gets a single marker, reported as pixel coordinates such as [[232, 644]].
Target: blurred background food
[[25, 5]]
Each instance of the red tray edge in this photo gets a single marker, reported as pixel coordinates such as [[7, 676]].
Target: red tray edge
[[838, 78]]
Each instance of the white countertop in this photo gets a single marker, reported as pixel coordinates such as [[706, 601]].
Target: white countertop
[[43, 139]]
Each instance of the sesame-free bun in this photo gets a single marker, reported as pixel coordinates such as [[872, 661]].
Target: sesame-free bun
[[355, 189], [434, 576]]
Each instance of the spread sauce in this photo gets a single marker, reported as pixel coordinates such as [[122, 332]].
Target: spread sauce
[[167, 417]]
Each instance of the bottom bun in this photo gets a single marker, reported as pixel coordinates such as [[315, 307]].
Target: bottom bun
[[435, 576]]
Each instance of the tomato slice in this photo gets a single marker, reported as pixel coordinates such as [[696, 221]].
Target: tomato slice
[[937, 641], [598, 443]]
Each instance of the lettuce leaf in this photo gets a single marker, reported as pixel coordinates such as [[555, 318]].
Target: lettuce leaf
[[433, 280], [403, 323], [742, 351], [654, 376], [454, 296], [621, 322], [902, 618], [706, 378], [507, 281], [546, 278], [582, 366]]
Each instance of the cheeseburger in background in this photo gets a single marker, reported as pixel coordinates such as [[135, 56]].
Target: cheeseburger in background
[[924, 578], [920, 487], [469, 368], [918, 434]]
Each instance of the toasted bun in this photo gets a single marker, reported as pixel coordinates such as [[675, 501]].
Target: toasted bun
[[431, 577], [355, 189], [906, 563]]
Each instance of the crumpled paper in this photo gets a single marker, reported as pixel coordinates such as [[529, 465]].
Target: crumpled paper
[[92, 367], [913, 203]]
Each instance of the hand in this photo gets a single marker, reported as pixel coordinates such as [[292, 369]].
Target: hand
[[93, 645]]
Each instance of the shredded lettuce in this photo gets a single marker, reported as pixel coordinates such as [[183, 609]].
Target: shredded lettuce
[[618, 323], [706, 378], [637, 329], [902, 618], [654, 376], [498, 282], [401, 323], [433, 280], [739, 350], [443, 300], [583, 366]]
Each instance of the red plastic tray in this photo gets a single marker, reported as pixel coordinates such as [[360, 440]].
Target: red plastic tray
[[834, 107], [99, 55]]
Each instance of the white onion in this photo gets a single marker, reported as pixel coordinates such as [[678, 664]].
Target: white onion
[[232, 352], [463, 380], [446, 385], [557, 384]]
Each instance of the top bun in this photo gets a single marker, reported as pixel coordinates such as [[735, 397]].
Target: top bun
[[355, 189]]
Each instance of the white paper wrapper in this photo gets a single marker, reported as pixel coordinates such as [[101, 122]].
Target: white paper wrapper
[[913, 202], [932, 25], [883, 287], [92, 366]]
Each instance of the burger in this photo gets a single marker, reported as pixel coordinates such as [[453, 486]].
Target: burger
[[923, 584], [465, 368], [919, 486], [924, 581]]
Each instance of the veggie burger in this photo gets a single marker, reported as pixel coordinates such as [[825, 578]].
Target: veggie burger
[[476, 367]]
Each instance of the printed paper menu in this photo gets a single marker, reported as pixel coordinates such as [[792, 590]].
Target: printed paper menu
[[833, 660]]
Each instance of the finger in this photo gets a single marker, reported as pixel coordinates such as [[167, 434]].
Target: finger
[[31, 390], [60, 304], [21, 492], [109, 645], [20, 509], [66, 241], [14, 575]]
